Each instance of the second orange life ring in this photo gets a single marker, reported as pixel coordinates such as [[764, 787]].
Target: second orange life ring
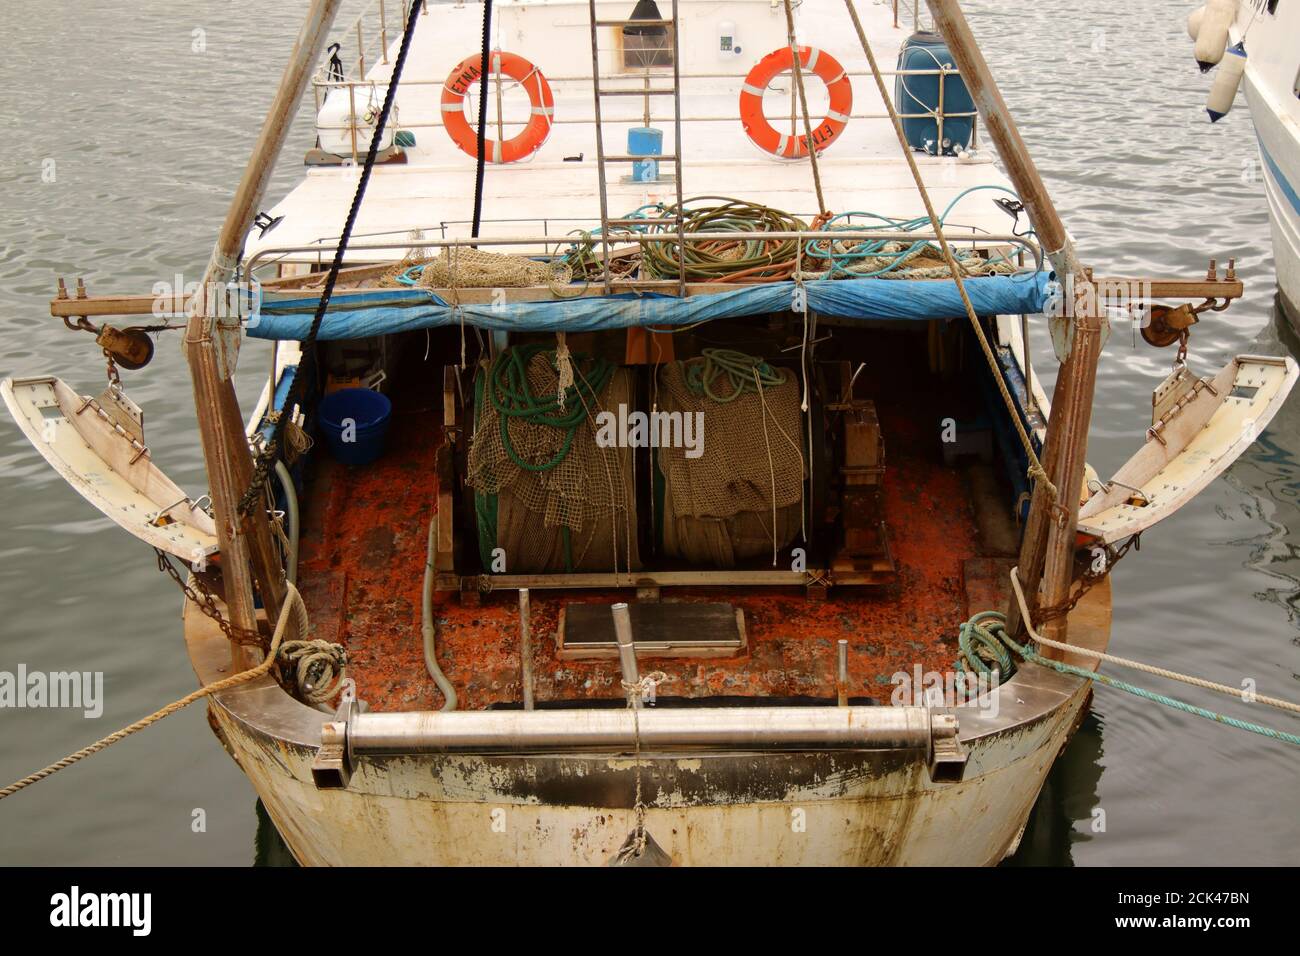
[[466, 74], [763, 134]]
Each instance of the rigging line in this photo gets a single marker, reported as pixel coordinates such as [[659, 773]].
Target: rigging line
[[803, 101], [480, 161], [1036, 470], [262, 470]]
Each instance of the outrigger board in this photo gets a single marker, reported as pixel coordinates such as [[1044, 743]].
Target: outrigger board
[[1199, 428], [97, 446]]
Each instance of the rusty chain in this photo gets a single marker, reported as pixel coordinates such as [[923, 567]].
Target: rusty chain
[[206, 603], [1090, 578]]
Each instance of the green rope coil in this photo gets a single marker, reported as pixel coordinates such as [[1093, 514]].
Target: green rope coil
[[505, 385], [985, 631], [736, 367]]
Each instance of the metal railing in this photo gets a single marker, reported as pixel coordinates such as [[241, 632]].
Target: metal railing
[[378, 24], [546, 242], [915, 6], [322, 85], [549, 244]]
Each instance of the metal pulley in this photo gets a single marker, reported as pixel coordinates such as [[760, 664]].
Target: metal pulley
[[1168, 324], [130, 348]]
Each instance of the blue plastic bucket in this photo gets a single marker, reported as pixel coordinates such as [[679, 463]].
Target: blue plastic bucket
[[645, 141], [354, 421]]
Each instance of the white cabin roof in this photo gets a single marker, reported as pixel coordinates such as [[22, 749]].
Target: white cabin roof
[[863, 170]]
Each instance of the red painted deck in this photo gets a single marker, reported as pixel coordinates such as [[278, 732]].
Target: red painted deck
[[362, 565]]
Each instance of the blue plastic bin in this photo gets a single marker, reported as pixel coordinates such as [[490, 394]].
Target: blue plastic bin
[[354, 421]]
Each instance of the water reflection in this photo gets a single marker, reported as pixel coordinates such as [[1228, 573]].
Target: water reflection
[[1064, 813], [269, 848], [1269, 480]]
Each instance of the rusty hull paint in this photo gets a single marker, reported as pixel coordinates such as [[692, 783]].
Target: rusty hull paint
[[854, 809]]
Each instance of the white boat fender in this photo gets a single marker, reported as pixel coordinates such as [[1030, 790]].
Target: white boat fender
[[1212, 34], [1194, 21], [1226, 83]]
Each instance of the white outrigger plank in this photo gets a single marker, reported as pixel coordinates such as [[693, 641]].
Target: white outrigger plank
[[1217, 421], [96, 445]]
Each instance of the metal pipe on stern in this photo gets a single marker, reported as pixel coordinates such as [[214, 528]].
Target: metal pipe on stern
[[661, 729], [626, 645]]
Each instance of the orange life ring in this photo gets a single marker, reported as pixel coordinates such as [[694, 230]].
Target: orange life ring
[[819, 62], [466, 74]]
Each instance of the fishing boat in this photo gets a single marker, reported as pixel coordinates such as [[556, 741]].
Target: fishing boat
[[1252, 44], [650, 467]]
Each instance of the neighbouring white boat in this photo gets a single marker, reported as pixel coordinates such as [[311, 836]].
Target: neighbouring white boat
[[800, 578], [1265, 35]]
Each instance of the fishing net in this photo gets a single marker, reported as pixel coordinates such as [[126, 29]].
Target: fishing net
[[459, 267], [544, 490], [718, 509]]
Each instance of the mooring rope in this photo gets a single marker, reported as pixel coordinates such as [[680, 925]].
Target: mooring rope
[[1224, 689], [637, 692], [992, 624], [293, 600]]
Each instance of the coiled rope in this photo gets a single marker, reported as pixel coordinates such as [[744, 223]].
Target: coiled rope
[[293, 607], [726, 260], [867, 258], [513, 398]]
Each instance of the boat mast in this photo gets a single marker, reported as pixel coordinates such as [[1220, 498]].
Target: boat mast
[[1047, 552], [212, 346]]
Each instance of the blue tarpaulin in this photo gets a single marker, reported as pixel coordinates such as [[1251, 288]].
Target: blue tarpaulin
[[359, 314]]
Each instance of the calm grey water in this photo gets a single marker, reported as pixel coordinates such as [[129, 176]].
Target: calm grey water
[[148, 137]]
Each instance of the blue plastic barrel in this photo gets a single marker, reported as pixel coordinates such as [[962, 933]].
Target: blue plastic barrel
[[354, 421], [920, 94]]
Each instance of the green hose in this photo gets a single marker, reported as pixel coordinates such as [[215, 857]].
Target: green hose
[[739, 370], [506, 385]]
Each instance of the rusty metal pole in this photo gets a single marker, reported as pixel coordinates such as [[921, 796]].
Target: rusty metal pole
[[212, 345], [842, 673], [1047, 552], [526, 647]]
